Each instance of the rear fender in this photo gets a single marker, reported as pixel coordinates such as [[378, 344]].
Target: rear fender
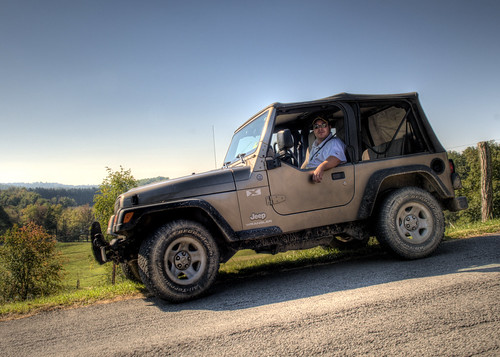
[[421, 173]]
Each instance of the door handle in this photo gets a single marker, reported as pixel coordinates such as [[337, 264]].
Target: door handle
[[338, 175]]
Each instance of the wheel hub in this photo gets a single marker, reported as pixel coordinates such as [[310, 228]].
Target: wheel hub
[[411, 222], [182, 260]]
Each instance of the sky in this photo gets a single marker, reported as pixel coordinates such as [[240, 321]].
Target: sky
[[159, 87]]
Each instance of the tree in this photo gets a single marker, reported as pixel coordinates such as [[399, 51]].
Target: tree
[[30, 264], [44, 215], [116, 183], [5, 222], [468, 165], [85, 217], [19, 197], [73, 224], [486, 181]]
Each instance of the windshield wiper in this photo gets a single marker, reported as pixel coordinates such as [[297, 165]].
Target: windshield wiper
[[241, 156]]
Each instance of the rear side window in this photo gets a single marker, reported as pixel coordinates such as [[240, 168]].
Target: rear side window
[[389, 130]]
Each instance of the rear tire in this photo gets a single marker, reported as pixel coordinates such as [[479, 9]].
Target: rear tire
[[410, 223], [179, 262]]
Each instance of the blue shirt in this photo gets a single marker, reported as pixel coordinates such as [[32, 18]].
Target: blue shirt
[[328, 147]]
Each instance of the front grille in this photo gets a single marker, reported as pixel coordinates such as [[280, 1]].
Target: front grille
[[117, 204]]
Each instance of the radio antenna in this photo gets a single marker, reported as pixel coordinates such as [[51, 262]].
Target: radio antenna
[[213, 138]]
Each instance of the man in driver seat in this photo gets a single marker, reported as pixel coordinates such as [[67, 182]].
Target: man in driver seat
[[326, 152]]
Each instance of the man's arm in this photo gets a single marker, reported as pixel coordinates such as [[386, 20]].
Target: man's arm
[[329, 163]]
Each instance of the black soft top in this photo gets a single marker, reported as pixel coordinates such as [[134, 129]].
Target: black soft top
[[350, 97], [411, 97]]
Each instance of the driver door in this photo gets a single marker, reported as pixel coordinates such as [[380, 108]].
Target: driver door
[[292, 190]]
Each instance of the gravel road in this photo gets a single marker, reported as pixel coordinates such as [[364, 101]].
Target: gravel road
[[446, 305]]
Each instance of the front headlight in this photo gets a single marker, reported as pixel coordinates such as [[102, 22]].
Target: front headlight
[[111, 223]]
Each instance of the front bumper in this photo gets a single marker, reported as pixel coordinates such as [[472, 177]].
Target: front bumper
[[117, 250]]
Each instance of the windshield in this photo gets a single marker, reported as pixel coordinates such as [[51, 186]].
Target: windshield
[[246, 140]]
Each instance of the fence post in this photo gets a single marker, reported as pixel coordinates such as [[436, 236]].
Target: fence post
[[113, 276], [486, 181]]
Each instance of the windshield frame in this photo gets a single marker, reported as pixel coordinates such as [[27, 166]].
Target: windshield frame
[[232, 157]]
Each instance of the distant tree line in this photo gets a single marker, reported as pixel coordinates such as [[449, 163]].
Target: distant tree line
[[65, 196], [65, 212], [81, 196], [58, 215]]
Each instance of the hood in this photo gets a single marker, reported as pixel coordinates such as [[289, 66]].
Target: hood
[[217, 181]]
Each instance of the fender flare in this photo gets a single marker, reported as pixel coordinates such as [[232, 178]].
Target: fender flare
[[375, 181], [207, 208]]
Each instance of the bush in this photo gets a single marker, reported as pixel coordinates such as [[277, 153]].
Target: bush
[[116, 183], [30, 265]]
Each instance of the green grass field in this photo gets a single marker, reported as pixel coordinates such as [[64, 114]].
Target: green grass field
[[81, 270], [86, 282]]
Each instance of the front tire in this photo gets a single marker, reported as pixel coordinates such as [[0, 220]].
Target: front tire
[[410, 223], [179, 262]]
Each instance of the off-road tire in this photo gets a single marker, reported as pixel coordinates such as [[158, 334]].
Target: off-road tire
[[410, 223], [179, 261]]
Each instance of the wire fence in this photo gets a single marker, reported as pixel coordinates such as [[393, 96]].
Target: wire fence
[[465, 146]]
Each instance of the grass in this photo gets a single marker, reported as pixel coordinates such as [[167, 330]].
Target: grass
[[247, 262], [82, 271], [71, 298], [86, 282], [473, 229]]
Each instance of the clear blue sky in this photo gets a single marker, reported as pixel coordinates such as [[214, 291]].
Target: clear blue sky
[[86, 85]]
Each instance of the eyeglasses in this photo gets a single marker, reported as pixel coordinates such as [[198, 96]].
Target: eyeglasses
[[317, 126]]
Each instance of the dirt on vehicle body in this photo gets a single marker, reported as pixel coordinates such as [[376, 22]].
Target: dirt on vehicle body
[[395, 185]]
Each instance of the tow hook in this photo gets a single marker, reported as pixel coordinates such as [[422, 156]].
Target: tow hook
[[99, 244]]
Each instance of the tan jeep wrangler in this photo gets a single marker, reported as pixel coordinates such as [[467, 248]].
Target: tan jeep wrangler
[[395, 185]]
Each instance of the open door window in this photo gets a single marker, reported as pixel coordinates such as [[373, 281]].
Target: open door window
[[293, 134], [290, 185]]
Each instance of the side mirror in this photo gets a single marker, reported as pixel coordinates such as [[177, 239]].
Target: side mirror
[[285, 140]]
